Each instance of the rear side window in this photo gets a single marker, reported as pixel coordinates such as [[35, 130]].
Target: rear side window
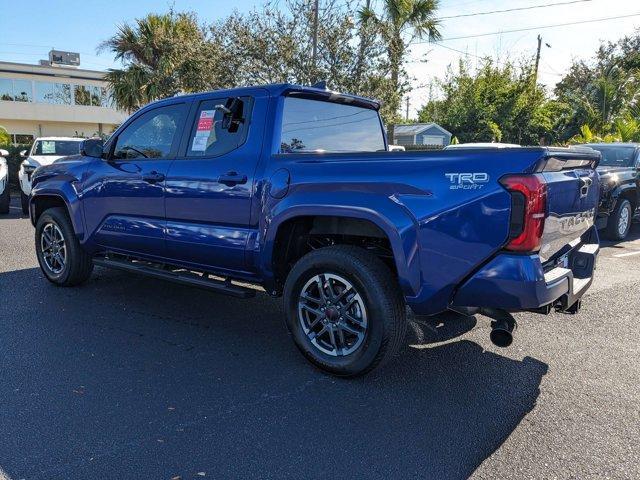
[[151, 135], [318, 126], [220, 126]]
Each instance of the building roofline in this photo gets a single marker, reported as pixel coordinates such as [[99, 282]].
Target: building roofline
[[425, 125], [51, 71]]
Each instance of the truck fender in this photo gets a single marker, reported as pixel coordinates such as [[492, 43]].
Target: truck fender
[[392, 218], [65, 192]]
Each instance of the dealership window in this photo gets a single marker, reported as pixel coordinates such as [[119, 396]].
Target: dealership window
[[6, 89], [55, 93], [96, 95], [45, 92], [22, 139], [16, 90], [82, 95], [22, 90]]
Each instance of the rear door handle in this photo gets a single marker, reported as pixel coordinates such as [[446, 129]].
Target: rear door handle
[[153, 177], [232, 178]]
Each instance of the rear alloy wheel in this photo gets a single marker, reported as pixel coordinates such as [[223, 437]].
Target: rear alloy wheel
[[619, 222], [344, 309], [332, 314]]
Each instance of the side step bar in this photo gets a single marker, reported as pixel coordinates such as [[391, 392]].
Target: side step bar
[[177, 276]]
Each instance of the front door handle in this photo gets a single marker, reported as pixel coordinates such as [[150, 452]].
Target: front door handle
[[232, 178], [153, 177]]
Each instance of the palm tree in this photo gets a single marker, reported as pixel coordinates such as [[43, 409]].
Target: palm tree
[[401, 22], [154, 52]]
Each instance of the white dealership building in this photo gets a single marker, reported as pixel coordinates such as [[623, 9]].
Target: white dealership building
[[54, 99]]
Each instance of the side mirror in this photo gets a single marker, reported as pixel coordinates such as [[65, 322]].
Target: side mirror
[[23, 153], [3, 153], [92, 147]]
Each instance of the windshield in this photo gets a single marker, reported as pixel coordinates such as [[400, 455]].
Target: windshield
[[318, 126], [59, 148], [615, 155]]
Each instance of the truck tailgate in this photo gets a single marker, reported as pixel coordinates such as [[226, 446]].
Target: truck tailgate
[[572, 200]]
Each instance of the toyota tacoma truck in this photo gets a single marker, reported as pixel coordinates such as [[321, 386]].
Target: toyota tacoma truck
[[619, 171], [292, 189]]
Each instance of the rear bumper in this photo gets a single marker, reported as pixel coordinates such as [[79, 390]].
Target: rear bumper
[[519, 282]]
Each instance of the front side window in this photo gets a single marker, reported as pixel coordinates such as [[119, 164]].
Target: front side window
[[151, 135], [319, 126], [56, 148]]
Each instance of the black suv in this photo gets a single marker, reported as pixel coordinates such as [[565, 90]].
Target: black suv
[[619, 172]]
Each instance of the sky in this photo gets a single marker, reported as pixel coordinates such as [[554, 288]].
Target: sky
[[79, 26]]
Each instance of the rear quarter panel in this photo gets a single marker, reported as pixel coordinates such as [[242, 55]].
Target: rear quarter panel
[[440, 228]]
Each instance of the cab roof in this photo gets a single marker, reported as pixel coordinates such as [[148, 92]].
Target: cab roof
[[279, 89]]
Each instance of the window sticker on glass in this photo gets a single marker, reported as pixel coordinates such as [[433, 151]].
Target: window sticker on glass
[[205, 131], [48, 147]]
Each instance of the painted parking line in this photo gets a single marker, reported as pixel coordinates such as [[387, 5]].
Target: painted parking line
[[628, 254]]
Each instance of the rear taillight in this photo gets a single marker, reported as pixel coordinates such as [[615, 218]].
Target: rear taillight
[[528, 211]]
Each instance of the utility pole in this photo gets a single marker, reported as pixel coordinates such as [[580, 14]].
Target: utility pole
[[314, 51], [407, 117], [535, 71]]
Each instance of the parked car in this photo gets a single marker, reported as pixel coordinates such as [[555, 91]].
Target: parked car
[[5, 196], [44, 151], [292, 189], [396, 148], [619, 171]]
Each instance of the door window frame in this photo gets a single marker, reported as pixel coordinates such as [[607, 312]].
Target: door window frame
[[191, 123], [113, 141]]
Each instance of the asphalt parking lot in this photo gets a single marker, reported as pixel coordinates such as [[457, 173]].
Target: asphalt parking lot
[[128, 377]]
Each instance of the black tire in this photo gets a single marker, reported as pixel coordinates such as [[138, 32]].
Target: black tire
[[379, 293], [24, 203], [77, 266], [5, 200], [616, 229]]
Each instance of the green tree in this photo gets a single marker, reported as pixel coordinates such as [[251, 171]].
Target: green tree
[[604, 88], [162, 56], [401, 22], [5, 138], [493, 103], [272, 44]]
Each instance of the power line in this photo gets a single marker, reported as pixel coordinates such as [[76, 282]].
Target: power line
[[461, 51], [540, 27], [515, 9]]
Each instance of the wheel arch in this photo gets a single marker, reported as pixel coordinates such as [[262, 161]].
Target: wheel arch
[[40, 201], [389, 222]]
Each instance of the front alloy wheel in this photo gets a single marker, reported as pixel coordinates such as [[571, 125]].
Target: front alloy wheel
[[53, 248]]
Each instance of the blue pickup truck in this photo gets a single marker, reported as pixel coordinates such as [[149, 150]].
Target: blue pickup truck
[[292, 189]]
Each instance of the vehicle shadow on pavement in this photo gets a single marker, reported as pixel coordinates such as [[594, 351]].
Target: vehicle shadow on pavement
[[128, 377]]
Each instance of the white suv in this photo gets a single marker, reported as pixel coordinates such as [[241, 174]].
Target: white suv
[[45, 151], [5, 199]]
